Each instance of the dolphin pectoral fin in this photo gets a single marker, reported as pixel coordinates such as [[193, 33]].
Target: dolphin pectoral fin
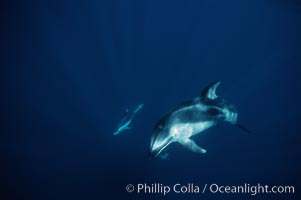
[[191, 145]]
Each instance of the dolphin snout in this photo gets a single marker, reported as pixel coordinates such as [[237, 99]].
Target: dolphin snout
[[152, 155], [158, 146]]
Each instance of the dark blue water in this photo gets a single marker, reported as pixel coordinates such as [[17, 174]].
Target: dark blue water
[[70, 68]]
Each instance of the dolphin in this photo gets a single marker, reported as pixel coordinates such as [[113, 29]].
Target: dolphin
[[191, 118], [126, 121]]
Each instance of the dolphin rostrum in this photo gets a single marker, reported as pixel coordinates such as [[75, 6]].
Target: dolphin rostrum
[[191, 118]]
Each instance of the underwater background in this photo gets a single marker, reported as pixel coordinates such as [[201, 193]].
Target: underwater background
[[71, 68]]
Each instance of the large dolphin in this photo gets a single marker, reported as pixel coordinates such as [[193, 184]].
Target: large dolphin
[[191, 118]]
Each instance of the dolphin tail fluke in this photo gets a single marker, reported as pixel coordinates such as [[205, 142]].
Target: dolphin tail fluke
[[191, 145], [243, 128]]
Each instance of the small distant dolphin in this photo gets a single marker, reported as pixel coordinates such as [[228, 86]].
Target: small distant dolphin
[[191, 118], [124, 124], [164, 156]]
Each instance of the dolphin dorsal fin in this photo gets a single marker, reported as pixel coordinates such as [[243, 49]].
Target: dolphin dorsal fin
[[209, 91]]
